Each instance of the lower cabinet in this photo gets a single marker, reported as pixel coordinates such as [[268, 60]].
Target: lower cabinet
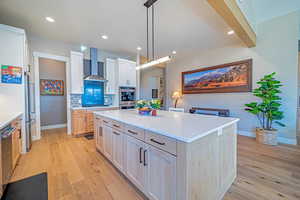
[[150, 169], [160, 174], [135, 169], [98, 134], [118, 153], [108, 142]]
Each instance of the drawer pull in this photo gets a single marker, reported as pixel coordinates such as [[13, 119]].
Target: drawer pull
[[105, 121], [141, 155], [116, 126], [132, 132], [145, 151], [160, 143], [116, 133]]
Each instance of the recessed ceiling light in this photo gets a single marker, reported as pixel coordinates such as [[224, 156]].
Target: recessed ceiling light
[[105, 37], [174, 52], [83, 48], [230, 32], [50, 19], [139, 48]]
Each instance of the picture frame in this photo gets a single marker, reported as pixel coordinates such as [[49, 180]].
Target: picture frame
[[225, 78], [11, 74], [51, 87]]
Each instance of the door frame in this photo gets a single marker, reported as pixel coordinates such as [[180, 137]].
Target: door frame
[[36, 57]]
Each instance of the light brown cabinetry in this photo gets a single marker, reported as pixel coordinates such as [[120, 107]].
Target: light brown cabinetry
[[16, 142], [82, 122]]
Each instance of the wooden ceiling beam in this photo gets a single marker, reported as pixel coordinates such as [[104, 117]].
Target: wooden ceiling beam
[[235, 18]]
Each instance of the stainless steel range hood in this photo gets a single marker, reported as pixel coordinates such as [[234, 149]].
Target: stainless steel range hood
[[94, 76]]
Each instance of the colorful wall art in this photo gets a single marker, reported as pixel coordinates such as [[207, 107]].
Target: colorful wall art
[[52, 87], [231, 77], [11, 74]]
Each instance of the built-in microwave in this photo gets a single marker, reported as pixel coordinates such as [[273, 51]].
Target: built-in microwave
[[127, 97]]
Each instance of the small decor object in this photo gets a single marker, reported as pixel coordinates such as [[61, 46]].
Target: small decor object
[[268, 110], [155, 105], [11, 74], [176, 95], [143, 107], [226, 78], [52, 87]]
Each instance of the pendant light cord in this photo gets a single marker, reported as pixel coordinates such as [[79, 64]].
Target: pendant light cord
[[147, 35], [153, 32]]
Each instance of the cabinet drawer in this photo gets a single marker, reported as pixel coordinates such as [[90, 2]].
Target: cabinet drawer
[[117, 125], [106, 121], [135, 132], [78, 112], [161, 142]]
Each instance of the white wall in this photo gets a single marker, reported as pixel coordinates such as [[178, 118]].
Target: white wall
[[149, 80], [276, 51]]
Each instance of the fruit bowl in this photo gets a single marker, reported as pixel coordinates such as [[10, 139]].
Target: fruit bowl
[[144, 111]]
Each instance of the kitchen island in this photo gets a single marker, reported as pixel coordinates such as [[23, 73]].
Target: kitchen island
[[173, 156]]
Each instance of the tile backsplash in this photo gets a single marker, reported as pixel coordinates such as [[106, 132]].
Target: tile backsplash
[[76, 100]]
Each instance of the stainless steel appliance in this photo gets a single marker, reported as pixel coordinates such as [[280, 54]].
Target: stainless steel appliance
[[127, 97], [6, 151], [29, 96]]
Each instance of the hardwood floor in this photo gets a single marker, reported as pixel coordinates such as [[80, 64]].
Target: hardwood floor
[[76, 171]]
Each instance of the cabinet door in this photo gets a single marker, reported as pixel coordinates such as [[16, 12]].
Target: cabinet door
[[107, 142], [76, 72], [100, 138], [118, 154], [78, 122], [111, 84], [127, 73], [161, 174], [135, 169], [89, 121]]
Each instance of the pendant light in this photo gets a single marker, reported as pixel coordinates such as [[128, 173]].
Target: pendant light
[[148, 4]]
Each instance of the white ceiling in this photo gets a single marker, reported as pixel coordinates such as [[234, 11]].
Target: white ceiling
[[181, 25]]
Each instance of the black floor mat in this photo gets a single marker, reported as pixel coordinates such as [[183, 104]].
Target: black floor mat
[[89, 136], [32, 188]]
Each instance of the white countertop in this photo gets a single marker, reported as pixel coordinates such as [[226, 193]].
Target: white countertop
[[95, 108], [184, 127], [6, 118]]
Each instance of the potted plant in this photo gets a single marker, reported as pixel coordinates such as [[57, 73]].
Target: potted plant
[[143, 107], [155, 105], [268, 110]]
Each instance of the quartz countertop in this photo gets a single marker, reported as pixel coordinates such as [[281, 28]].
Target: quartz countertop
[[94, 108], [7, 118], [184, 127]]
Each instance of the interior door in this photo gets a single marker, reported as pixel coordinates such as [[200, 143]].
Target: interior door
[[118, 155], [161, 174], [135, 169], [108, 142]]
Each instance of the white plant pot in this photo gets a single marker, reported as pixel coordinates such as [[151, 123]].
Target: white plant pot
[[268, 137]]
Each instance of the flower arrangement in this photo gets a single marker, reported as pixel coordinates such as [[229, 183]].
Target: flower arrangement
[[146, 107]]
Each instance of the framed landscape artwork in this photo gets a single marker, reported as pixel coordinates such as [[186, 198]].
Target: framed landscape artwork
[[52, 87], [226, 78]]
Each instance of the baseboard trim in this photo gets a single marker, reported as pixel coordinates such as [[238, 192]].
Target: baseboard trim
[[53, 126], [280, 139]]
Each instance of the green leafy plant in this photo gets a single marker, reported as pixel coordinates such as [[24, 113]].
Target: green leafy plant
[[142, 104], [155, 104], [268, 110]]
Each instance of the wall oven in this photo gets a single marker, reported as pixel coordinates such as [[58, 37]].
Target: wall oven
[[127, 97]]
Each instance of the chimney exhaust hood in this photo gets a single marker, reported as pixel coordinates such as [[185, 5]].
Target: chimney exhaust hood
[[94, 76]]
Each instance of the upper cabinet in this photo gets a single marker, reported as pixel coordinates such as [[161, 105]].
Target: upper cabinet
[[127, 73], [76, 72], [111, 76]]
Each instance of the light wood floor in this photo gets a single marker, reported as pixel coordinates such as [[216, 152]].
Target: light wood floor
[[76, 171]]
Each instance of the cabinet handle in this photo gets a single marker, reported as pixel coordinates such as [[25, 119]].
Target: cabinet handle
[[145, 151], [160, 143], [105, 121], [100, 131], [132, 132], [116, 133], [141, 155], [116, 126]]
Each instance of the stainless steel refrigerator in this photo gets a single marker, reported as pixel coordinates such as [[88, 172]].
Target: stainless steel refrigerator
[[29, 111]]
